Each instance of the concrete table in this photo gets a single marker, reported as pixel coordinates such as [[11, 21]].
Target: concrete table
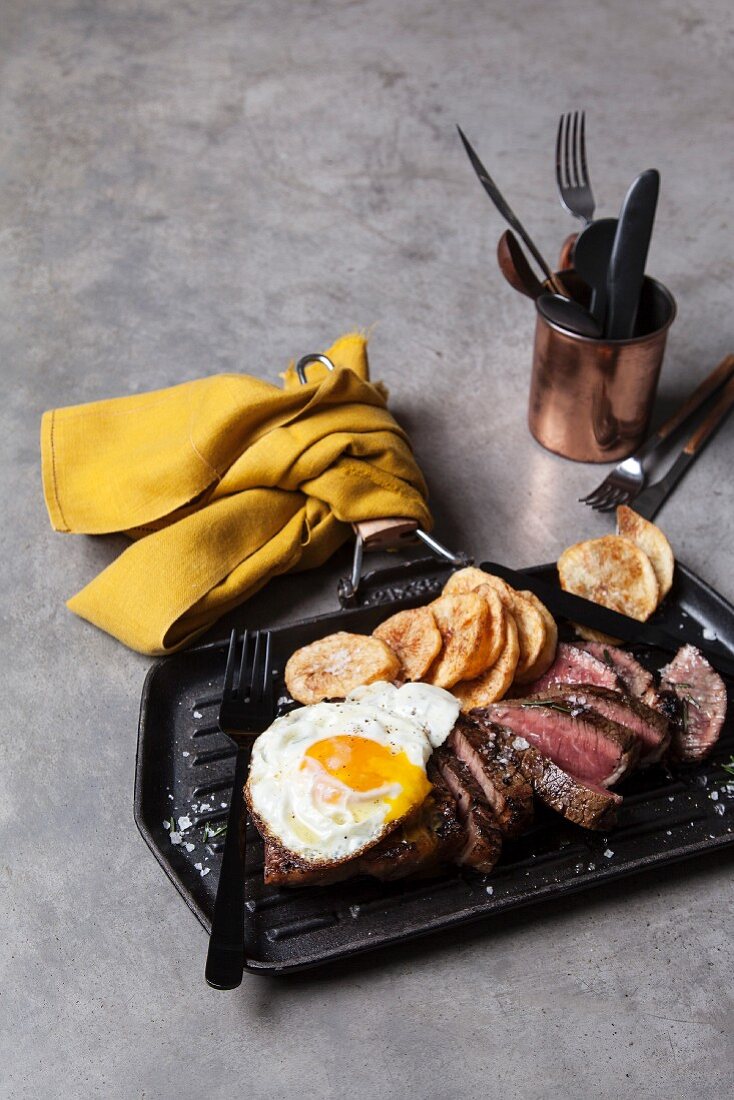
[[194, 188]]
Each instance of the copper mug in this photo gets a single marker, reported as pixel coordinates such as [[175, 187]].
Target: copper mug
[[590, 399]]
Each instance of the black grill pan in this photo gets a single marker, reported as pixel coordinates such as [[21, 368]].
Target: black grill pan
[[185, 768]]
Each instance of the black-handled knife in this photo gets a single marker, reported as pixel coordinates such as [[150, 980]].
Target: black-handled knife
[[578, 610], [629, 255]]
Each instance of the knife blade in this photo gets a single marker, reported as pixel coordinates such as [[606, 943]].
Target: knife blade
[[578, 610], [650, 500], [629, 255], [508, 213]]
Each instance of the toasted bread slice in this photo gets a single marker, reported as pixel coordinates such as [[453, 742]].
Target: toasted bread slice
[[613, 572], [651, 539], [468, 636], [414, 637], [333, 666], [496, 681]]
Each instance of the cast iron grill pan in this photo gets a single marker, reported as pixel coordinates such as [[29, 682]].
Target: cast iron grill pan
[[184, 761]]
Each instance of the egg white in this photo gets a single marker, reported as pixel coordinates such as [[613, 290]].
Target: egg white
[[283, 785]]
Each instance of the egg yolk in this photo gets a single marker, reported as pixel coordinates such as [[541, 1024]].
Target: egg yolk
[[365, 765]]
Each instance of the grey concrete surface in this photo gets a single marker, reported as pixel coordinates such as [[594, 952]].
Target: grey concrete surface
[[190, 188]]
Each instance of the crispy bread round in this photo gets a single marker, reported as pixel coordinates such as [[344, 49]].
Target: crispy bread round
[[414, 637], [333, 666]]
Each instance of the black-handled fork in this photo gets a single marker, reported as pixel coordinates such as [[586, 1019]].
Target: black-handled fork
[[248, 707]]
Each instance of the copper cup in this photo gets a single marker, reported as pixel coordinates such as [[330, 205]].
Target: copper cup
[[591, 400]]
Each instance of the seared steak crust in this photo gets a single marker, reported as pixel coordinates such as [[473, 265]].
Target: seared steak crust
[[502, 783]]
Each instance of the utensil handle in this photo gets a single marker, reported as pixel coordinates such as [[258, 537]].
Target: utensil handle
[[709, 425], [225, 960], [713, 381]]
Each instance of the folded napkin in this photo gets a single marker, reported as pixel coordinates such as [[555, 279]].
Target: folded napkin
[[223, 483]]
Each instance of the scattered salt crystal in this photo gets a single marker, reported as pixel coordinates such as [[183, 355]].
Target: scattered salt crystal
[[670, 798], [205, 871], [198, 714], [714, 796], [185, 754], [171, 797], [175, 838], [223, 805], [354, 911], [592, 867], [205, 806], [188, 846], [520, 743], [197, 866], [608, 853], [668, 832], [710, 635], [720, 809], [490, 890], [184, 823]]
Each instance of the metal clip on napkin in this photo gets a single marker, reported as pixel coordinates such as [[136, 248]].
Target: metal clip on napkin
[[378, 534]]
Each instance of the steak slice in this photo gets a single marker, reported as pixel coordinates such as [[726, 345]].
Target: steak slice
[[574, 665], [483, 840], [421, 844], [586, 745], [650, 726], [582, 803], [635, 679], [701, 693], [502, 783]]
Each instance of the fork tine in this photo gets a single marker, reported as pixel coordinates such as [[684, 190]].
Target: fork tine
[[256, 678], [603, 498], [611, 500], [567, 150], [229, 670], [584, 177], [597, 493], [241, 687], [267, 678], [576, 181], [559, 148]]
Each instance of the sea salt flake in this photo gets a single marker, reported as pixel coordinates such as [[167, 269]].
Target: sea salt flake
[[608, 853], [205, 871], [198, 866], [184, 823], [714, 796], [198, 714], [520, 743], [189, 847], [720, 809], [223, 805], [670, 798], [490, 890], [175, 838], [710, 635], [186, 754], [668, 832]]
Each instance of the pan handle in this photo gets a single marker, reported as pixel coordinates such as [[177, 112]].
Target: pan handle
[[388, 534]]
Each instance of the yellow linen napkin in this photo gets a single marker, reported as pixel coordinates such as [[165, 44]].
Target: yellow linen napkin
[[223, 483]]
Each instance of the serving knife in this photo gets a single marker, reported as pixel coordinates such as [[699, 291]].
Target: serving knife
[[591, 255], [629, 255], [578, 610], [650, 500], [508, 214]]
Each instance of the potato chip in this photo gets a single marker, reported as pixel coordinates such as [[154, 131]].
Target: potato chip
[[333, 666], [613, 572], [414, 636], [548, 652], [468, 636], [497, 680], [651, 539]]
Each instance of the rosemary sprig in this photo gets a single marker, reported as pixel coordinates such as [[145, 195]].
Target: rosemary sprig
[[729, 768], [210, 834], [550, 705]]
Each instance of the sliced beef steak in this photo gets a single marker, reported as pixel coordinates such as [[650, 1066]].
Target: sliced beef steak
[[482, 846], [650, 726], [701, 695], [582, 803], [586, 745], [635, 679], [502, 782], [574, 665]]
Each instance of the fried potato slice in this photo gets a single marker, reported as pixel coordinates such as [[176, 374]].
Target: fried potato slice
[[548, 652], [464, 580], [465, 623], [414, 637], [531, 627], [498, 616], [651, 539], [333, 666], [497, 680], [613, 572]]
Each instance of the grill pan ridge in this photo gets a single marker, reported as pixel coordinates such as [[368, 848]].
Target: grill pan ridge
[[185, 767]]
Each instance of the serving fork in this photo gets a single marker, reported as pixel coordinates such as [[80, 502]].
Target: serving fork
[[572, 175], [628, 478], [248, 707]]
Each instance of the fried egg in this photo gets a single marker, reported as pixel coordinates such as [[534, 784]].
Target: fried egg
[[328, 780]]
